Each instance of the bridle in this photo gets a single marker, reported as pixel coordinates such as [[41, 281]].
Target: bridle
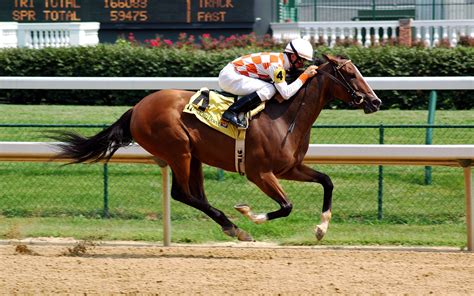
[[356, 100]]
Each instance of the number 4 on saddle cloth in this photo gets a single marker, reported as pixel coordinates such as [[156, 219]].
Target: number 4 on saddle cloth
[[208, 106]]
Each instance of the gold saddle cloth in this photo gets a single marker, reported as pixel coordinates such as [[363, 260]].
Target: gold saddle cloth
[[208, 106]]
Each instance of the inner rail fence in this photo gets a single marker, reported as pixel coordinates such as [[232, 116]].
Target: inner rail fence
[[446, 155], [382, 133]]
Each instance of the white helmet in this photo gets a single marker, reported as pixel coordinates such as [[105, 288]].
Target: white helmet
[[303, 48]]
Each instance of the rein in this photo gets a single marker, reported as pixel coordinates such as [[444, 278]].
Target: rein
[[293, 122]]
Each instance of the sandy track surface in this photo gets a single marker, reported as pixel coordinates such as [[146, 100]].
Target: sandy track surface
[[244, 269]]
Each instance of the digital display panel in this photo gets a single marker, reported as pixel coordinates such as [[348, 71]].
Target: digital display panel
[[128, 11]]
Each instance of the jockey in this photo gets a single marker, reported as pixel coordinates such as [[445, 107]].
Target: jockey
[[256, 76]]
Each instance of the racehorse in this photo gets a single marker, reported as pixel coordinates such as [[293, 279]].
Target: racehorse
[[276, 142]]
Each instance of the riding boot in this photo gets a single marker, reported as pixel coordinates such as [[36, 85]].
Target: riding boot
[[244, 104]]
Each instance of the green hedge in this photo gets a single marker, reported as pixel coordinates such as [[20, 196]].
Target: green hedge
[[134, 61]]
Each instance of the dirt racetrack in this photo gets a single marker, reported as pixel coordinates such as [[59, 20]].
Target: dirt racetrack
[[243, 269]]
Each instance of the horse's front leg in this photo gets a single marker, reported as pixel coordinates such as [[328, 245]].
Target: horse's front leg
[[304, 173], [269, 184]]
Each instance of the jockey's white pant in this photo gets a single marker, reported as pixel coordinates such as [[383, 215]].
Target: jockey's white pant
[[241, 85]]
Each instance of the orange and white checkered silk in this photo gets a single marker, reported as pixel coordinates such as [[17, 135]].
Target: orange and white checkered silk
[[263, 73], [259, 65]]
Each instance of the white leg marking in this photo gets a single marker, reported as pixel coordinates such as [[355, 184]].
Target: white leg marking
[[322, 228], [247, 212]]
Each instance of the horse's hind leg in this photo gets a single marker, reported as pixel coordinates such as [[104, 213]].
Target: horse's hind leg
[[304, 173], [269, 184], [188, 188]]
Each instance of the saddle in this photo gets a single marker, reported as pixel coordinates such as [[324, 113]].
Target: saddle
[[208, 106]]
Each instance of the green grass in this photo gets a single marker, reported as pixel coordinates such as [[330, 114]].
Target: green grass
[[205, 231], [56, 114], [45, 199], [102, 115], [47, 189]]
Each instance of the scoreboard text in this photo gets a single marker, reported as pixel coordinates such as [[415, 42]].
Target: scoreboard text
[[128, 11]]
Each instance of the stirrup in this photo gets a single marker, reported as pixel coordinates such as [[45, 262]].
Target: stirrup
[[240, 124], [229, 116], [233, 118]]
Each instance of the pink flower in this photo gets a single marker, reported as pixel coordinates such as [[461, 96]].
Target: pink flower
[[206, 36], [168, 42]]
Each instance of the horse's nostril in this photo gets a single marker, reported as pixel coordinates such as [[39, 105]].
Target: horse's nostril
[[377, 103]]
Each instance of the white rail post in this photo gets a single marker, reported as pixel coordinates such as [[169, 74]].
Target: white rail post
[[8, 34], [166, 206], [468, 183], [83, 34]]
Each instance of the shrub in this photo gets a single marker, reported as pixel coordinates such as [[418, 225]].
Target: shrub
[[128, 60]]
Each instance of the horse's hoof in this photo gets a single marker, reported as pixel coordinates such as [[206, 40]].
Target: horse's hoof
[[239, 234], [242, 208], [319, 233], [243, 236]]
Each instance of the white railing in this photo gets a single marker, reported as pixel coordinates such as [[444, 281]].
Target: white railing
[[8, 34], [368, 33], [433, 33], [192, 83], [40, 35], [330, 32]]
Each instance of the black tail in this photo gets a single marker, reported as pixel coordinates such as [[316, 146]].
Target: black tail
[[101, 146]]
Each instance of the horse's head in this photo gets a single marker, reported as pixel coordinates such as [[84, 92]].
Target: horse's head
[[353, 88]]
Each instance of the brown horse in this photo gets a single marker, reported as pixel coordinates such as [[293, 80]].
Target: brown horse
[[276, 142]]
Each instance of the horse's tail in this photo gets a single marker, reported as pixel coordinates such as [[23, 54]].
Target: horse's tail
[[100, 146]]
